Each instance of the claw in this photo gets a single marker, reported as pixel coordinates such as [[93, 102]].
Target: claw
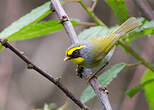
[[95, 74], [79, 71], [92, 76], [79, 75]]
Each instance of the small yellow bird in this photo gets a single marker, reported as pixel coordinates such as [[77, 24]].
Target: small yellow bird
[[91, 52]]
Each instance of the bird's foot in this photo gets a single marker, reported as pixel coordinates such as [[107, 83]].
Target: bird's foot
[[92, 76], [79, 71], [95, 74]]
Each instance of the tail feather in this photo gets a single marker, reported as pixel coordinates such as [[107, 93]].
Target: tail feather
[[127, 26]]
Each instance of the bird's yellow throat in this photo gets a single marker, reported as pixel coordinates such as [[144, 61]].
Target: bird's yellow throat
[[78, 60]]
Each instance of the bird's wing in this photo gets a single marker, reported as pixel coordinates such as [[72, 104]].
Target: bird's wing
[[102, 45]]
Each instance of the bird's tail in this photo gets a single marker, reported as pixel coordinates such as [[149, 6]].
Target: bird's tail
[[127, 26]]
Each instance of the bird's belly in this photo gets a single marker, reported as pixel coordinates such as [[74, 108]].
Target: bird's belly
[[91, 64]]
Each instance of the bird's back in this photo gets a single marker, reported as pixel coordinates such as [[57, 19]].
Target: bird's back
[[101, 46]]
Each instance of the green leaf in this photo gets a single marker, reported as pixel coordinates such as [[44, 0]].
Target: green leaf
[[104, 79], [52, 106], [149, 88], [95, 31], [49, 106], [136, 89], [39, 29], [119, 9], [29, 19], [26, 21]]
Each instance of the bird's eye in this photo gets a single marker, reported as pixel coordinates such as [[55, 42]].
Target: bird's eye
[[76, 53]]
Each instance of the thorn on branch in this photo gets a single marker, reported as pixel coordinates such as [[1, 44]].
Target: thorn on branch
[[63, 19], [104, 89], [30, 66], [21, 52], [58, 79], [4, 42]]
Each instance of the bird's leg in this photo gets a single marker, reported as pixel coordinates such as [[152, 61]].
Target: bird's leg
[[79, 71], [95, 74], [102, 88]]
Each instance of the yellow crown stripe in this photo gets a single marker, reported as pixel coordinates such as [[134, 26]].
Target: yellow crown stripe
[[69, 52]]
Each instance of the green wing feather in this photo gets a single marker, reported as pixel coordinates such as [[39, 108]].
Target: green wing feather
[[102, 45]]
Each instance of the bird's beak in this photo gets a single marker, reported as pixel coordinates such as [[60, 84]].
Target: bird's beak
[[67, 58]]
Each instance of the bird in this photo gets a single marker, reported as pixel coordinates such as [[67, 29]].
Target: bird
[[91, 52]]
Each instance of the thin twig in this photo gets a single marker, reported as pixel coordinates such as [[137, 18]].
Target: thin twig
[[133, 64], [145, 8], [87, 72], [30, 65], [87, 23], [91, 14], [69, 1], [94, 5], [138, 57]]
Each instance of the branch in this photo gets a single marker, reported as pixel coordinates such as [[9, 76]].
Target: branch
[[103, 97], [87, 23], [30, 65], [64, 19], [145, 8], [72, 35]]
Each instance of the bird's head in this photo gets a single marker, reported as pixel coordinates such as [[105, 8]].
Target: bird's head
[[78, 53]]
